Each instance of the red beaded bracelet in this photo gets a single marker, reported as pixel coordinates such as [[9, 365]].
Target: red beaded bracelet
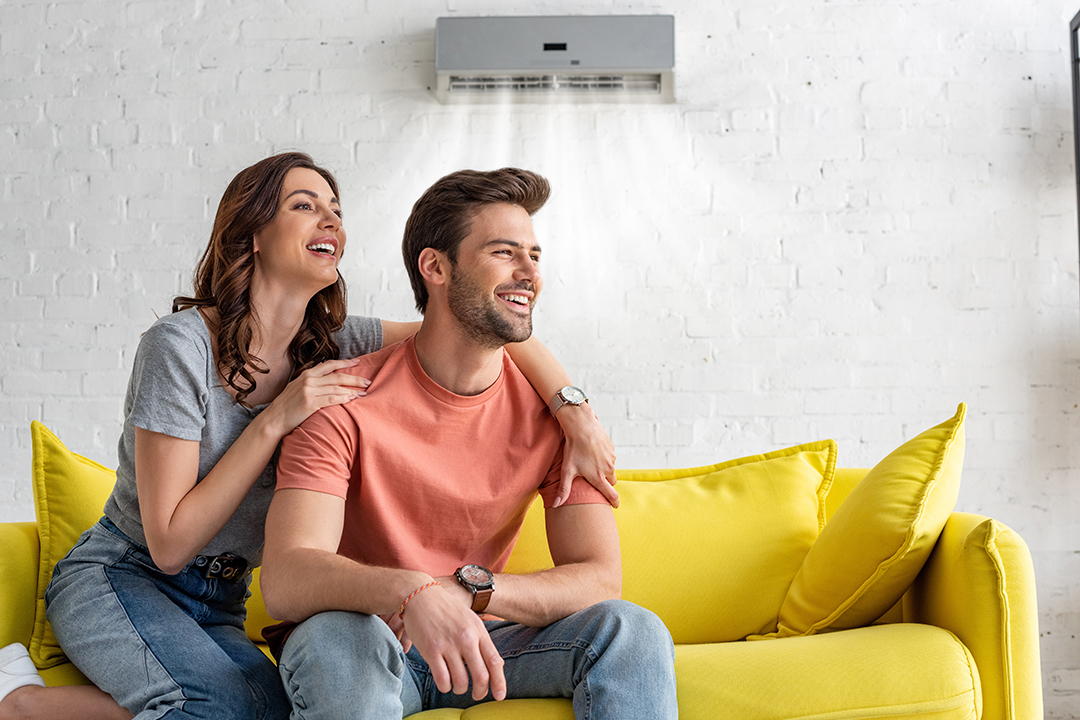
[[417, 591]]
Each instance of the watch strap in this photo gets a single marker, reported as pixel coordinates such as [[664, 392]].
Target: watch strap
[[480, 600], [481, 594], [559, 400]]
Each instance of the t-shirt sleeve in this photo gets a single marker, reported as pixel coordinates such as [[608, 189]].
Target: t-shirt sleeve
[[168, 390], [581, 491], [319, 454], [359, 336]]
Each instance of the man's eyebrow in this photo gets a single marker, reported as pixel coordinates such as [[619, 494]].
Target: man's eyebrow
[[312, 194], [511, 243]]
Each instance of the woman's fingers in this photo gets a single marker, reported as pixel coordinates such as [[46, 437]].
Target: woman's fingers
[[330, 366]]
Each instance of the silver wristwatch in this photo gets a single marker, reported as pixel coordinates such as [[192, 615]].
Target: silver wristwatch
[[569, 395]]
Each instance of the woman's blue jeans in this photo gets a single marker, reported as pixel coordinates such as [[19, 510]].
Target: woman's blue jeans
[[164, 646], [615, 659]]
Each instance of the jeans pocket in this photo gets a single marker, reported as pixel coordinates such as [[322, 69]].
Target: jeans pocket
[[141, 559]]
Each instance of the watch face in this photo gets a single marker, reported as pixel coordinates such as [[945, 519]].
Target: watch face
[[573, 395], [475, 575]]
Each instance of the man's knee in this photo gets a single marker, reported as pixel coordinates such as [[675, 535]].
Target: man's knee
[[342, 644], [633, 629], [337, 662], [339, 637]]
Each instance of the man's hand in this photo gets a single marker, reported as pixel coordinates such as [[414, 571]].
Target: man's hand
[[397, 626], [453, 641], [589, 453]]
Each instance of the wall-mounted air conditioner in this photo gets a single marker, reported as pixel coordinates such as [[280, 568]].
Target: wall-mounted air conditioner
[[623, 58]]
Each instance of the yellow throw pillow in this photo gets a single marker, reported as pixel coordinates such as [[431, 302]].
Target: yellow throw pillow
[[711, 550], [876, 544], [69, 495]]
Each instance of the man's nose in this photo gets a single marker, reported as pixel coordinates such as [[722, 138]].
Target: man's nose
[[527, 270]]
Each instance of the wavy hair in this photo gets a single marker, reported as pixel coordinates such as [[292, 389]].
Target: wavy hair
[[223, 277]]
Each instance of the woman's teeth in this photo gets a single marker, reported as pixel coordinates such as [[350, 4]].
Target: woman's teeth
[[322, 248]]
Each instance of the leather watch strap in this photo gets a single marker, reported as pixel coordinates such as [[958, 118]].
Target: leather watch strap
[[480, 600]]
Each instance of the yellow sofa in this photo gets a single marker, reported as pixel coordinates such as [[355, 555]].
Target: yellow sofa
[[723, 554]]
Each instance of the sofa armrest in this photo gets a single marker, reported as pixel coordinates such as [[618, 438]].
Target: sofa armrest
[[18, 587], [979, 584]]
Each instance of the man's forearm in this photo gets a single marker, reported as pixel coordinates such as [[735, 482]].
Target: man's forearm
[[302, 582], [539, 599], [584, 545]]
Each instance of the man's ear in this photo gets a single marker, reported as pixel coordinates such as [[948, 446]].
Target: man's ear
[[434, 266]]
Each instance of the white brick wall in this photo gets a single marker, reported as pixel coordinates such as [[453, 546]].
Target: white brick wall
[[857, 215]]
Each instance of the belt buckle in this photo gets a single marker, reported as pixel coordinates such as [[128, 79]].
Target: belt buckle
[[226, 567]]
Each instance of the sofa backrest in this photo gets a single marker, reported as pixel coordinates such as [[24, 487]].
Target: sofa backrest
[[711, 550], [844, 481]]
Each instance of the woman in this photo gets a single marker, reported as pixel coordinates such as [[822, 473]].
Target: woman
[[149, 603]]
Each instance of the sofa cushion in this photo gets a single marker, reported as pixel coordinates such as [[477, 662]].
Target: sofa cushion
[[893, 671], [879, 539], [711, 550], [69, 496], [884, 671]]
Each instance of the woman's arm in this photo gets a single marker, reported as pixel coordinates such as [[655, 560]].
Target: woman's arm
[[589, 452], [181, 515], [393, 332]]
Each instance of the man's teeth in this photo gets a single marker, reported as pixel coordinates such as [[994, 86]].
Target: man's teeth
[[517, 299], [322, 247]]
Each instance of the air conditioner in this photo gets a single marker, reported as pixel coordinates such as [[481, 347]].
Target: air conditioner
[[620, 58]]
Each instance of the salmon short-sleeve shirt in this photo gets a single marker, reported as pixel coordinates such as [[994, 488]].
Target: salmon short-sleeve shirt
[[431, 480]]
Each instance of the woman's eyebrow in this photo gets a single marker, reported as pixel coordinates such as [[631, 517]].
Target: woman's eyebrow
[[310, 193]]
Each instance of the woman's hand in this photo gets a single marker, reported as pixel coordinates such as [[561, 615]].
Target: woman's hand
[[315, 388], [589, 453]]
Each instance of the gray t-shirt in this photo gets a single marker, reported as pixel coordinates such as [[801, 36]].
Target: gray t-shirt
[[175, 390]]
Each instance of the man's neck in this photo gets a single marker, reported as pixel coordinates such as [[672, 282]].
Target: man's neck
[[454, 361]]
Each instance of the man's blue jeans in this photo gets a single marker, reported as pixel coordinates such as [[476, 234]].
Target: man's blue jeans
[[164, 646], [615, 659]]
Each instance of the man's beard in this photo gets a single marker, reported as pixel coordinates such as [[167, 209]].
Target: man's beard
[[479, 314]]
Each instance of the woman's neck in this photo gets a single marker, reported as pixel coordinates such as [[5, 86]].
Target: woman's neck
[[279, 313], [277, 319]]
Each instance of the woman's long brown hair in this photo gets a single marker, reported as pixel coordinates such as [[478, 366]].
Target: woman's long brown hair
[[223, 277]]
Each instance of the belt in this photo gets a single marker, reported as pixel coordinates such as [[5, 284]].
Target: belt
[[226, 567]]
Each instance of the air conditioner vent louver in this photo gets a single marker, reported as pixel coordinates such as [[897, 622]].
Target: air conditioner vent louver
[[629, 83], [610, 58]]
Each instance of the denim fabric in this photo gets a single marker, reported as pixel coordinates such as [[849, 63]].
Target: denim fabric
[[615, 659], [164, 646]]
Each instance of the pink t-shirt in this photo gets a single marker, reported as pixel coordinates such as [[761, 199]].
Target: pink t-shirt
[[431, 480]]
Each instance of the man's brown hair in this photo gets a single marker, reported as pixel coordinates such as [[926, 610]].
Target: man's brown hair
[[442, 217]]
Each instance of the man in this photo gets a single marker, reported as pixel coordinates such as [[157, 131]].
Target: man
[[390, 511]]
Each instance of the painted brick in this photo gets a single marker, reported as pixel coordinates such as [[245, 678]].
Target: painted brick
[[632, 434]]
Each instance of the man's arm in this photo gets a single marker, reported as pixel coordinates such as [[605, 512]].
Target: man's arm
[[584, 544], [303, 575]]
